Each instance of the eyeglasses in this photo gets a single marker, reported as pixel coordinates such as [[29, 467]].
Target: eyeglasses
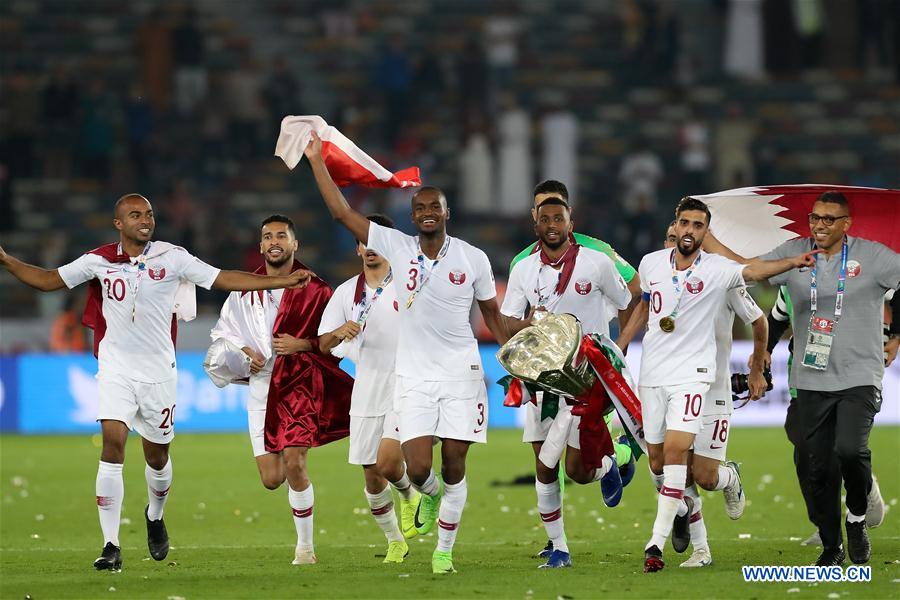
[[827, 220]]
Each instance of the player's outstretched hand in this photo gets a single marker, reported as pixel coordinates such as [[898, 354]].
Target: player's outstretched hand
[[806, 260], [299, 279], [257, 362], [757, 384], [314, 147], [347, 331]]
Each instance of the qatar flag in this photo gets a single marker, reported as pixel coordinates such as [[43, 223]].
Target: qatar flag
[[347, 164], [754, 220]]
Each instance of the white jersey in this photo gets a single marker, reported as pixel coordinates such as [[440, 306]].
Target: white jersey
[[688, 354], [374, 350], [436, 342], [138, 306], [738, 302], [248, 319], [593, 285]]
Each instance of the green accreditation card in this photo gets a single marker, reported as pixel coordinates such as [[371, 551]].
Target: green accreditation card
[[818, 343]]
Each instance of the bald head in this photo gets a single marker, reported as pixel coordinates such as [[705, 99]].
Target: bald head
[[130, 202], [429, 193]]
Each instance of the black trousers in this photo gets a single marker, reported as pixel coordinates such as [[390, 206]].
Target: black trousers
[[793, 426], [836, 427]]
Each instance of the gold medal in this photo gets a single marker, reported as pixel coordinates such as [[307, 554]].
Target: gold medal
[[667, 324]]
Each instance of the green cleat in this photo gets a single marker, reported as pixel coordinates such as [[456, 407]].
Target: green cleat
[[396, 552], [408, 515], [427, 512], [442, 562]]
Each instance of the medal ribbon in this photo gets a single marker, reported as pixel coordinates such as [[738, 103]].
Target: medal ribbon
[[425, 274], [678, 291], [842, 279], [139, 261], [365, 304]]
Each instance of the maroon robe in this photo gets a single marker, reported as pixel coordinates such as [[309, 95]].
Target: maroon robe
[[309, 395]]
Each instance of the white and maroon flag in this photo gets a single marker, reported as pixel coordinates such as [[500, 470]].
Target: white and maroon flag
[[754, 220], [347, 164]]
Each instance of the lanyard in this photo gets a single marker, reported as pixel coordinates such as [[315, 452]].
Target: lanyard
[[676, 284], [139, 260], [366, 304], [542, 300], [425, 274], [842, 278]]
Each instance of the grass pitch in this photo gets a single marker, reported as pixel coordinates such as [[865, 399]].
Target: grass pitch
[[231, 538]]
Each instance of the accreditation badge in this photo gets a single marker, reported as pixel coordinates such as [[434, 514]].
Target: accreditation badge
[[818, 343]]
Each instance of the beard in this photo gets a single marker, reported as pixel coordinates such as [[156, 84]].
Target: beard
[[278, 262], [554, 245], [687, 251]]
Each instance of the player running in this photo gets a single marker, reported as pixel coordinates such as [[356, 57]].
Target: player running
[[562, 277], [136, 287], [682, 287], [361, 323], [440, 380]]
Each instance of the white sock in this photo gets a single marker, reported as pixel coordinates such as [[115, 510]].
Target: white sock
[[549, 503], [608, 463], [302, 507], [382, 507], [403, 485], [452, 504], [158, 484], [432, 485], [110, 492], [851, 518], [657, 480], [669, 501], [697, 524], [727, 477]]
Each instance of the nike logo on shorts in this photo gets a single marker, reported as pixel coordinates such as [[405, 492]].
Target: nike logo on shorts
[[711, 447], [478, 430]]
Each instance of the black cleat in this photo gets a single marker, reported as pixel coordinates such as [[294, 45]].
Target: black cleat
[[653, 561], [110, 559], [858, 546], [157, 537], [547, 551], [831, 557], [681, 528]]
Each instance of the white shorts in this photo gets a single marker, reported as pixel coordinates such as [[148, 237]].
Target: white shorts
[[148, 408], [675, 407], [366, 434], [712, 441], [256, 423], [456, 410]]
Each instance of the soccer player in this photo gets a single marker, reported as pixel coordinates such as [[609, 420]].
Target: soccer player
[[562, 277], [710, 445], [360, 323], [682, 288], [552, 189], [299, 397], [137, 286], [440, 381]]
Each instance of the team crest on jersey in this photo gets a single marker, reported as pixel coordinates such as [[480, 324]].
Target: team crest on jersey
[[583, 287], [457, 277], [694, 287], [853, 268], [156, 272]]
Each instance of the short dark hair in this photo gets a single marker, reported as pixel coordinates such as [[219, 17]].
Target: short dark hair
[[279, 219], [834, 197], [689, 203], [383, 220], [551, 186], [553, 202], [429, 189]]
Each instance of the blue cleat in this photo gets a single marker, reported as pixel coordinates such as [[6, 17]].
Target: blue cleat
[[611, 486], [558, 560], [547, 551], [626, 471]]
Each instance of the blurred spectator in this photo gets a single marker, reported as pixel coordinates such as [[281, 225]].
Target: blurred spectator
[[180, 216], [139, 128], [639, 176], [393, 77], [873, 32], [24, 108], [744, 39], [514, 153], [60, 106], [501, 35], [695, 156], [472, 80], [66, 331], [476, 173], [808, 17], [97, 131], [282, 96], [734, 140], [190, 72], [154, 45], [243, 97], [428, 80], [338, 21], [559, 152]]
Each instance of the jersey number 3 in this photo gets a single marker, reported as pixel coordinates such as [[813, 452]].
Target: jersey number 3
[[413, 279]]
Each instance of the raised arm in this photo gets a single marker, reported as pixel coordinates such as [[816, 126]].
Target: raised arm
[[490, 310], [45, 280], [241, 281], [337, 205], [639, 317], [758, 269]]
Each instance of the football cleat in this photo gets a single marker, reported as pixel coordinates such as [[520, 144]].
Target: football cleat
[[627, 470], [442, 562], [557, 560], [874, 506], [304, 555], [611, 487], [396, 552], [858, 546], [813, 540], [681, 528], [699, 558], [110, 559], [653, 560], [426, 512], [157, 537], [547, 551], [831, 557], [408, 515], [735, 500]]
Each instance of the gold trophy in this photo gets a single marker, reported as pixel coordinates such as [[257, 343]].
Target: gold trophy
[[547, 355]]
